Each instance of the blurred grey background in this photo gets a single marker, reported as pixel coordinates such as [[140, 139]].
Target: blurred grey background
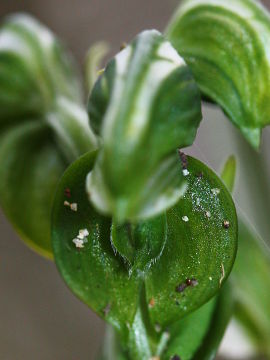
[[39, 317]]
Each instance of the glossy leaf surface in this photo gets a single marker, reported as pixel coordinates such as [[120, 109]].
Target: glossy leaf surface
[[43, 126], [95, 273], [144, 106], [197, 257], [226, 44], [200, 249]]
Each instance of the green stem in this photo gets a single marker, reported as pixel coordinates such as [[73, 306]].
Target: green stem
[[111, 349]]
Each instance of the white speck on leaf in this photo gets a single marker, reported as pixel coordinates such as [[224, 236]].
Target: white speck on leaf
[[78, 243], [185, 218], [83, 233], [81, 239], [215, 191], [74, 206], [185, 172]]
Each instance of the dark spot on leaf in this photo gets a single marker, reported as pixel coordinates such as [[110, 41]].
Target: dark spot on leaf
[[67, 192], [189, 282], [194, 282], [199, 175], [107, 309], [181, 287], [226, 224], [175, 357], [151, 303], [184, 160], [177, 302]]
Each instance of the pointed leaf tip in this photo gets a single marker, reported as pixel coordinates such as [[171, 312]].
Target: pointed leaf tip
[[253, 136], [229, 172]]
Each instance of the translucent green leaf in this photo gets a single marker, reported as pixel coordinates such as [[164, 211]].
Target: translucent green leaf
[[43, 126], [220, 319], [251, 280], [229, 172], [197, 258], [93, 61], [144, 106], [226, 44]]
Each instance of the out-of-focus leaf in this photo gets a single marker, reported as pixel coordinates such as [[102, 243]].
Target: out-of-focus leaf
[[199, 334], [30, 169], [251, 280], [226, 44], [187, 334], [221, 316], [228, 173], [144, 106], [43, 126], [93, 62], [197, 257]]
